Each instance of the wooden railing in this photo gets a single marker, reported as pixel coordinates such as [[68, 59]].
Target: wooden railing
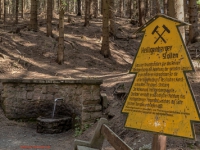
[[102, 132]]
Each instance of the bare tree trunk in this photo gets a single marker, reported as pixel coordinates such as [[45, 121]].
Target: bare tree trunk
[[186, 10], [105, 49], [120, 8], [91, 9], [60, 52], [176, 10], [79, 7], [141, 12], [159, 142], [129, 8], [33, 20], [67, 7], [74, 9], [171, 9], [5, 8], [49, 18], [101, 7], [58, 3], [22, 8], [45, 6], [193, 19], [17, 11], [87, 13], [165, 6], [147, 9], [135, 9], [13, 6], [55, 6], [153, 7], [0, 9], [112, 17], [95, 8], [158, 6]]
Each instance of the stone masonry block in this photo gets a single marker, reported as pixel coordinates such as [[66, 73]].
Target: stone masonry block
[[29, 95], [91, 116], [52, 89], [49, 97], [21, 95], [44, 89], [8, 88], [37, 90], [92, 108], [29, 88], [37, 96], [91, 102], [104, 100]]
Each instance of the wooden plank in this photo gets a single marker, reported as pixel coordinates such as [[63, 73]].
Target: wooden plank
[[159, 142], [113, 139]]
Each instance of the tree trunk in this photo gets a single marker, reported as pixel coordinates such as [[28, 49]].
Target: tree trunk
[[141, 12], [58, 4], [193, 20], [60, 52], [74, 9], [147, 8], [158, 6], [129, 8], [153, 7], [135, 9], [17, 11], [112, 17], [33, 20], [87, 12], [101, 7], [45, 6], [171, 9], [13, 6], [176, 10], [186, 10], [5, 8], [165, 6], [105, 49], [79, 7], [95, 8], [120, 8], [22, 8], [159, 142], [67, 7], [91, 9], [0, 9], [49, 18]]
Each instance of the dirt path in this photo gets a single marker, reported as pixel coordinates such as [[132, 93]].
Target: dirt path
[[18, 135]]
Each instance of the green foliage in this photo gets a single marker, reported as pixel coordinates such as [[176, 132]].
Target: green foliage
[[198, 2], [191, 145], [78, 128]]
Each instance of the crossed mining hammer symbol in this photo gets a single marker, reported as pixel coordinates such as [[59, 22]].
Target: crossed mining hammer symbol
[[160, 35]]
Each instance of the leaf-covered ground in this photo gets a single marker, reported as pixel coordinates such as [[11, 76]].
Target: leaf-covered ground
[[32, 55]]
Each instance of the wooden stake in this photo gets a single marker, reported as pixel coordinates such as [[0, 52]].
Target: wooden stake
[[159, 142]]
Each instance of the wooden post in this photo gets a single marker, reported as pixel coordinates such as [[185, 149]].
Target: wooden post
[[159, 142]]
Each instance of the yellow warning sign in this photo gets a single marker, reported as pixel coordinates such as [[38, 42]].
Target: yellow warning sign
[[160, 99]]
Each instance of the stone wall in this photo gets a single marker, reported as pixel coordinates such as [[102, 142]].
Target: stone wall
[[25, 99]]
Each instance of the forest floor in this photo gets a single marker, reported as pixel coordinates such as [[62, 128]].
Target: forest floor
[[31, 54]]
